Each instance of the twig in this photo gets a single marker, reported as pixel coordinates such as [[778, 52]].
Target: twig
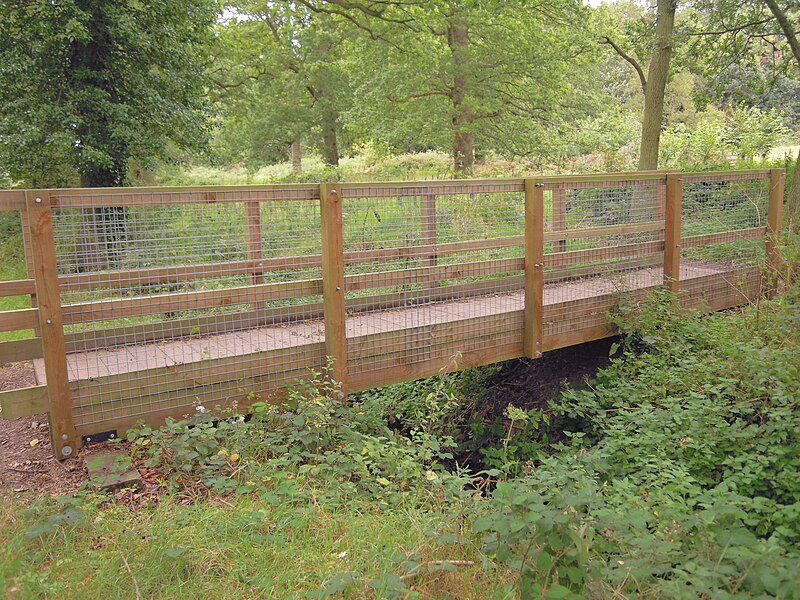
[[413, 589], [62, 465], [28, 470], [221, 499], [133, 577], [437, 563]]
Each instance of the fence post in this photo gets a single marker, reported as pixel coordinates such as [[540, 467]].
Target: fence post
[[252, 235], [48, 296], [534, 268], [333, 280], [777, 178], [428, 215], [672, 232]]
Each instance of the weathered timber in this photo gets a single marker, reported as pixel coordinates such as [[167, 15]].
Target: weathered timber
[[534, 267], [672, 232], [62, 430], [333, 279], [24, 402]]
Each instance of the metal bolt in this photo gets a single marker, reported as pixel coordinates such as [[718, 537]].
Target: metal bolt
[[66, 450], [537, 354], [49, 322], [338, 289], [38, 200], [538, 265], [64, 437], [333, 191]]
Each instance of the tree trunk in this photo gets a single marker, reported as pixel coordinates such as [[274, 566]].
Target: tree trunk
[[330, 147], [657, 74], [463, 137], [793, 199], [297, 157]]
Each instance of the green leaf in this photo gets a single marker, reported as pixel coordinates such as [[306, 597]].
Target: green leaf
[[544, 562], [557, 591]]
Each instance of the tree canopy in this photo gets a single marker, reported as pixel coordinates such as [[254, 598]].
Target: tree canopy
[[88, 86], [94, 91]]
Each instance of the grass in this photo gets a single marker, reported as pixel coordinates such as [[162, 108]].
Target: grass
[[212, 550]]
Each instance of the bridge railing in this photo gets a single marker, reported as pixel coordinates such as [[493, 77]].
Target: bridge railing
[[144, 302]]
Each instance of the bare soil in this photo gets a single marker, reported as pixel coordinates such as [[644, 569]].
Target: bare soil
[[527, 383], [531, 384], [27, 466]]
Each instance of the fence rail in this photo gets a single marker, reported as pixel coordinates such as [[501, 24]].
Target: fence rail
[[146, 301]]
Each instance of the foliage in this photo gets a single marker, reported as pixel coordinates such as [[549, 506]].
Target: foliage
[[312, 435], [676, 476], [280, 76], [88, 87], [744, 133]]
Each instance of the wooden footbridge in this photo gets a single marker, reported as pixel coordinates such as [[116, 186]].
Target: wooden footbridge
[[145, 302]]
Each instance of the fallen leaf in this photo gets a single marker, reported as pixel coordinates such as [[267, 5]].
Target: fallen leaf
[[34, 441]]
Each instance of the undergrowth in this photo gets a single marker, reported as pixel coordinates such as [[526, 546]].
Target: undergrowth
[[672, 474]]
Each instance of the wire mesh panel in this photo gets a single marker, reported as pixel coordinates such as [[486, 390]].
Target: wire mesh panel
[[603, 238], [18, 322], [723, 225], [173, 298], [433, 274]]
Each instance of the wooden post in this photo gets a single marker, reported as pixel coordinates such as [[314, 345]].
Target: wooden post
[[672, 232], [534, 268], [559, 217], [252, 234], [333, 280], [255, 250], [43, 253], [777, 179], [428, 214]]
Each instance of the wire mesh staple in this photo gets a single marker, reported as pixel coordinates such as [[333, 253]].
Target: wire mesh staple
[[178, 298]]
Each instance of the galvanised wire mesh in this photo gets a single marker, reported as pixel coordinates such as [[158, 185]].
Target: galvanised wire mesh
[[432, 271], [16, 246], [174, 298], [602, 239], [723, 227]]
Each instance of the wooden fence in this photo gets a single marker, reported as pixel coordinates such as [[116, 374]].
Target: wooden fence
[[148, 301]]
